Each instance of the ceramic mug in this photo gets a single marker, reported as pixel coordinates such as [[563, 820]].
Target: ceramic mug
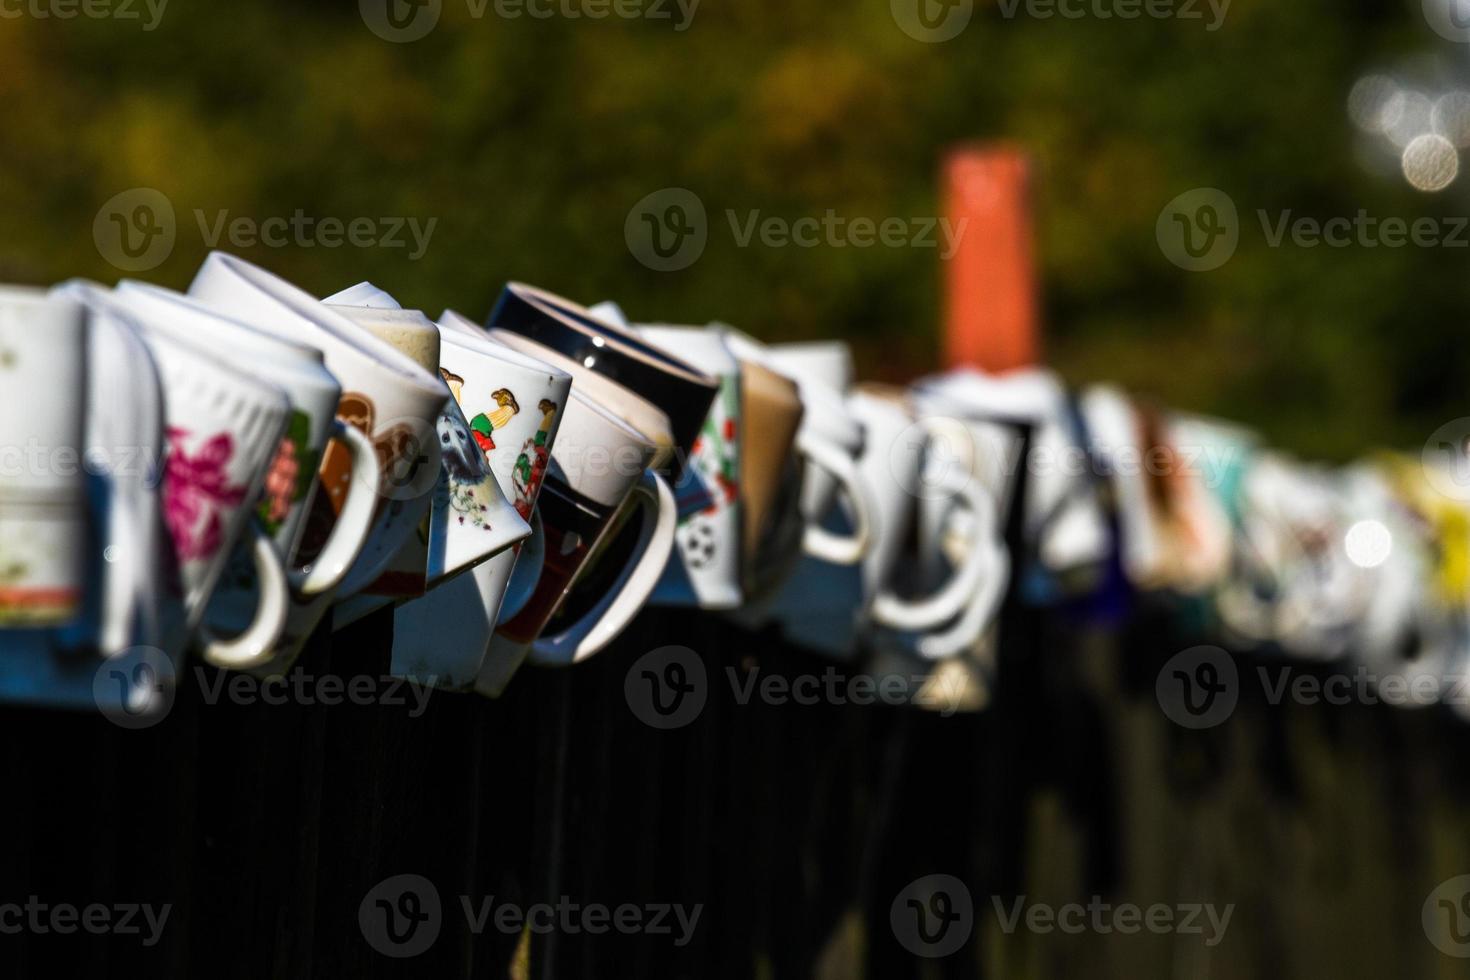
[[599, 345], [1064, 515], [770, 404], [43, 483], [705, 568], [292, 479], [827, 443], [1410, 629], [1290, 583], [947, 532], [386, 395], [122, 604], [514, 404], [598, 476], [892, 467], [816, 608], [470, 517], [222, 428], [827, 361]]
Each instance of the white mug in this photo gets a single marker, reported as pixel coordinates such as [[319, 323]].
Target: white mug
[[816, 608], [222, 428], [388, 396], [124, 446], [43, 485], [470, 517], [513, 403], [598, 476], [1064, 514], [827, 361], [705, 568], [292, 479]]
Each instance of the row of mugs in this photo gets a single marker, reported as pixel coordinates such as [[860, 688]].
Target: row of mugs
[[234, 467], [255, 461]]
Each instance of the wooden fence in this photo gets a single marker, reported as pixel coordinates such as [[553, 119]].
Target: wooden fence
[[793, 827]]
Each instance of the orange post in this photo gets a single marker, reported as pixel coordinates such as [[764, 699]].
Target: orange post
[[990, 303]]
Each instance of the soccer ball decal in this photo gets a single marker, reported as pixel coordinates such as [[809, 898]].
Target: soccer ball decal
[[697, 543]]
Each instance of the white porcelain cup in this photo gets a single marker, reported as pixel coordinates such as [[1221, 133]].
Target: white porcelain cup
[[705, 569], [292, 479], [43, 483], [598, 479], [513, 404], [222, 428], [837, 610], [470, 517], [1064, 514], [123, 604], [827, 361], [893, 472], [385, 394]]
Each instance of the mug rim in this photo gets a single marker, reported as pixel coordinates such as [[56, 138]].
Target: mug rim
[[302, 304], [623, 342], [586, 378], [488, 346], [702, 335], [293, 355], [684, 394]]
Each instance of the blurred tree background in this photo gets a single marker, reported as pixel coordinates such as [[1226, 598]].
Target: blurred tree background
[[530, 139]]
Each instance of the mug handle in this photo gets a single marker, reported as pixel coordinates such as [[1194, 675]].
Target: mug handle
[[527, 572], [817, 541], [256, 645], [614, 611], [350, 532], [980, 612], [946, 603]]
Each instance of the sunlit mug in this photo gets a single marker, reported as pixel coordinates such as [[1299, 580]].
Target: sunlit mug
[[513, 404], [292, 479], [43, 506], [597, 480]]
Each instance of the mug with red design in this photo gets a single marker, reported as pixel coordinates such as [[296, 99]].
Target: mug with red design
[[221, 429], [291, 480], [705, 568]]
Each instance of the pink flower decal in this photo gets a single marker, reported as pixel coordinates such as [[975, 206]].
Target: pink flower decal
[[195, 488]]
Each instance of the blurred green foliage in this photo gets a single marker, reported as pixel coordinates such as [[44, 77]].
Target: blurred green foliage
[[529, 140]]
